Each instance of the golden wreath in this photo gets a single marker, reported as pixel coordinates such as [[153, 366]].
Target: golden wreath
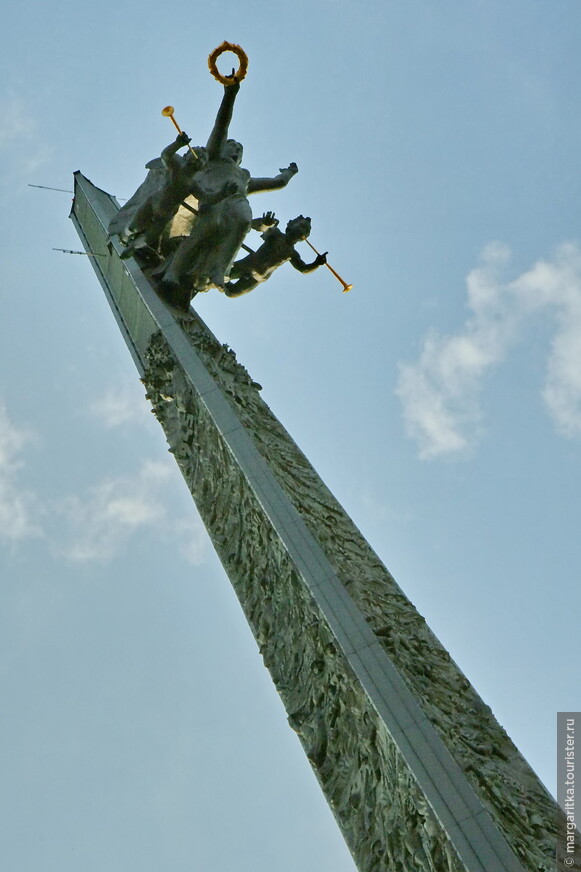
[[240, 54]]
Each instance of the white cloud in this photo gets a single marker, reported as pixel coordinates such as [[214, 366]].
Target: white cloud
[[380, 510], [192, 540], [17, 509], [113, 511], [562, 391], [439, 393], [23, 152], [15, 122], [17, 506], [119, 405], [100, 525]]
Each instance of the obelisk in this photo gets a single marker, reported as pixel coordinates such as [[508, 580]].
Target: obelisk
[[418, 773]]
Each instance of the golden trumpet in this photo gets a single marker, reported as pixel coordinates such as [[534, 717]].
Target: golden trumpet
[[167, 112], [346, 287]]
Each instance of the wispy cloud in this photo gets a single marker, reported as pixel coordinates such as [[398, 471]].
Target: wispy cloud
[[15, 123], [17, 505], [562, 389], [100, 524], [119, 405], [22, 151], [191, 538], [440, 392], [380, 510], [97, 525]]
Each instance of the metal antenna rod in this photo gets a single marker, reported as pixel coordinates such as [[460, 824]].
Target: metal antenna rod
[[64, 190], [86, 253], [46, 188]]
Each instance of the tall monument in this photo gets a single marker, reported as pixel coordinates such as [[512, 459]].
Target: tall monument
[[418, 773]]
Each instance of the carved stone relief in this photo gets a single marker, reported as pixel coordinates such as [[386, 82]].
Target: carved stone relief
[[381, 810]]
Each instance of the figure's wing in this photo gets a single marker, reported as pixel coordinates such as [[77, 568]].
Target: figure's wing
[[183, 221], [151, 184]]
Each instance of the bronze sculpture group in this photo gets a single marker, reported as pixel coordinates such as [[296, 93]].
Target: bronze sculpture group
[[184, 265]]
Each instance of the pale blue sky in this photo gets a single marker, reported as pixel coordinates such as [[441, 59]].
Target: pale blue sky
[[438, 146]]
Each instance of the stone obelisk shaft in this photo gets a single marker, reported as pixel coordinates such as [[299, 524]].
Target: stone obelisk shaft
[[417, 771]]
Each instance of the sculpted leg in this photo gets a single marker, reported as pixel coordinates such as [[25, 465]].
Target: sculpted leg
[[235, 222], [187, 257], [244, 285]]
